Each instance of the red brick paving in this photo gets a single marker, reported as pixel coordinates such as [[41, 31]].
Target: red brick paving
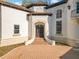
[[39, 51], [40, 41]]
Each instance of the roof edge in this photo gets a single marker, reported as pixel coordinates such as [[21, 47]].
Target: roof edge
[[40, 13], [15, 6], [56, 4], [37, 4]]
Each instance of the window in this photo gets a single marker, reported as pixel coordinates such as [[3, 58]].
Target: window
[[16, 29], [59, 14], [59, 27], [77, 7]]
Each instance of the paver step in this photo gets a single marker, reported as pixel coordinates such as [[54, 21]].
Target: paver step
[[39, 41]]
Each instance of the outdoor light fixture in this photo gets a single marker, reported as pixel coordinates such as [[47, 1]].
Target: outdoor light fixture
[[69, 7]]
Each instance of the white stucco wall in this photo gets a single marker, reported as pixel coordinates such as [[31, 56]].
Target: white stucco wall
[[73, 23], [11, 17], [70, 25], [37, 8], [43, 19], [0, 22], [30, 27], [53, 10]]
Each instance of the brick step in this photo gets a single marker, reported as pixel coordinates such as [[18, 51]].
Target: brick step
[[40, 41]]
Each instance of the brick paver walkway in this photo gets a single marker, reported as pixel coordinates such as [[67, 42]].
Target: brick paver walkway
[[40, 41], [41, 51]]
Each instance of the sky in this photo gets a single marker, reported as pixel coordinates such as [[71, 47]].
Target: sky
[[15, 1], [54, 1], [19, 1]]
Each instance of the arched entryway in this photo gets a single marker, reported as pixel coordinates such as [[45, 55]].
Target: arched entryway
[[39, 29]]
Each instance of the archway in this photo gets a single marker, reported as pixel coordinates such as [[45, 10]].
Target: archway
[[40, 29]]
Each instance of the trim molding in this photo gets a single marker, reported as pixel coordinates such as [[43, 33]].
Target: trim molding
[[40, 13]]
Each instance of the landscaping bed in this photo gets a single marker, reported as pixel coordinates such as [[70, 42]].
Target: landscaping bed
[[6, 49]]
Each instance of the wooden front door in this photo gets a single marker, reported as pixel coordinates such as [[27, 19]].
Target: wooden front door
[[39, 30]]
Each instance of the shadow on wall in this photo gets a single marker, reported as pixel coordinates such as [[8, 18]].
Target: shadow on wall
[[50, 26], [64, 40], [50, 37], [71, 54]]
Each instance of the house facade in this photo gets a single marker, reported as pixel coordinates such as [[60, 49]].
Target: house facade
[[22, 24], [65, 16], [13, 24]]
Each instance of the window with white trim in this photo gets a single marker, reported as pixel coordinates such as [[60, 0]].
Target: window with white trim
[[59, 13], [16, 29], [58, 27]]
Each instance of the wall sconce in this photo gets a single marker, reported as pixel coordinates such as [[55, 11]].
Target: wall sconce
[[69, 7]]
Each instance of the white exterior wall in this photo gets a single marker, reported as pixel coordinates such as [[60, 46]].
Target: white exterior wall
[[30, 27], [38, 8], [36, 19], [43, 19], [63, 19], [11, 17], [70, 26], [0, 22], [73, 24]]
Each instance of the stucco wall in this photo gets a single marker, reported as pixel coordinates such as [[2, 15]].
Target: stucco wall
[[70, 26], [73, 23], [11, 17], [43, 19], [0, 22], [30, 27], [37, 8], [53, 10]]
